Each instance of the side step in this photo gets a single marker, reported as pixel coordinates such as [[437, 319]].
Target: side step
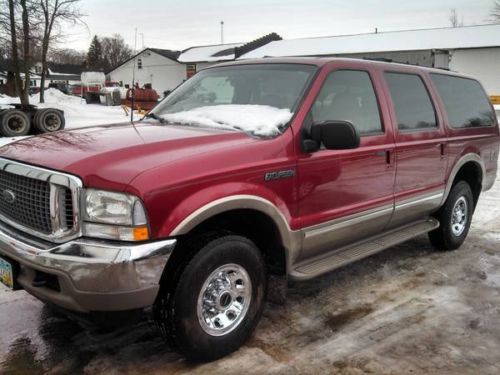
[[348, 254]]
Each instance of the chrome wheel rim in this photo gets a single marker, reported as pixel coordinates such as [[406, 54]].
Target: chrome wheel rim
[[224, 299], [459, 216]]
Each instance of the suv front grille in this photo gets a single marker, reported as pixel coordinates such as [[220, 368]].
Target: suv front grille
[[25, 201], [39, 201]]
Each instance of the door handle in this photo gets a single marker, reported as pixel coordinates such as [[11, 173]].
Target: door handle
[[387, 154]]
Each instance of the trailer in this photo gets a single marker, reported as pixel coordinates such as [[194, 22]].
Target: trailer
[[18, 120]]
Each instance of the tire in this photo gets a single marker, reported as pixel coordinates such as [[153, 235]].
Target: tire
[[14, 123], [226, 273], [36, 119], [455, 218], [49, 120]]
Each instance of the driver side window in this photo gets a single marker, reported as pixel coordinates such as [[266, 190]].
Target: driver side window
[[348, 95]]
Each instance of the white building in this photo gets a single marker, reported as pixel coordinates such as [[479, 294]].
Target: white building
[[473, 50], [158, 67]]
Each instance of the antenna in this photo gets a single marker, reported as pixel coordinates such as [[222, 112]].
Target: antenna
[[221, 32], [133, 80], [142, 35]]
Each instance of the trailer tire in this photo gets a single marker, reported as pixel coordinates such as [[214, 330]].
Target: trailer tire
[[49, 120], [14, 123]]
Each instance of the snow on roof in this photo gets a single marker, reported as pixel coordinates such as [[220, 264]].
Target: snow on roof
[[407, 40], [219, 52]]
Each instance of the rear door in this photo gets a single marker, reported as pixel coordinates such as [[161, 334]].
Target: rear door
[[347, 195], [421, 146]]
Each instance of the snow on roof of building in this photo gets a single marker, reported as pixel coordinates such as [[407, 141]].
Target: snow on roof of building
[[407, 40], [219, 52]]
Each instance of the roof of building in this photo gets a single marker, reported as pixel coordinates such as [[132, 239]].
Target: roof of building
[[406, 40], [65, 68], [168, 53], [213, 53]]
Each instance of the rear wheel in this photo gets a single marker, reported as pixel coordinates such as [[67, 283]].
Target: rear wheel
[[217, 299], [454, 217], [49, 120], [14, 123]]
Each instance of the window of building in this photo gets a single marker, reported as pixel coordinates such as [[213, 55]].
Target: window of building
[[413, 106], [348, 95], [465, 101]]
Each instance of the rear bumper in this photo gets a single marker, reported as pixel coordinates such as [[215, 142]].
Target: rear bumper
[[86, 275]]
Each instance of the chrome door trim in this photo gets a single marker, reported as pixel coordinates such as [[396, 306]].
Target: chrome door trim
[[353, 219], [436, 195]]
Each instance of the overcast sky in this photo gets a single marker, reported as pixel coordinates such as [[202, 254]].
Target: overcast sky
[[180, 24]]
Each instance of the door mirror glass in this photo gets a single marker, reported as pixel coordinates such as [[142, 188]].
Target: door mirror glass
[[335, 135]]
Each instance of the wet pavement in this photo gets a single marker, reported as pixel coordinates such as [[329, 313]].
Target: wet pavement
[[408, 310]]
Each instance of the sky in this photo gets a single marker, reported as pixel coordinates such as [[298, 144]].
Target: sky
[[181, 24]]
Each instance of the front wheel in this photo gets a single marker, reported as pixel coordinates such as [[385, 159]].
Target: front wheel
[[217, 300], [454, 217]]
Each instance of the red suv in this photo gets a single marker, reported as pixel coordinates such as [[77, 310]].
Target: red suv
[[247, 174]]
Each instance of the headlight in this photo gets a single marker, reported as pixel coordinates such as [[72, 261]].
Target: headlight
[[123, 216]]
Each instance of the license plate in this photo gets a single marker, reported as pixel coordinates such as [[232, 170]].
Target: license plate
[[6, 274]]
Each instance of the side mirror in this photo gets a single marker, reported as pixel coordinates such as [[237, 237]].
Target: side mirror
[[334, 135]]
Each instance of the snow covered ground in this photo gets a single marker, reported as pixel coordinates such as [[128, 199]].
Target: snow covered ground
[[77, 113]]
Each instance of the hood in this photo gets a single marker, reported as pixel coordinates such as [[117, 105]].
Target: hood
[[112, 155]]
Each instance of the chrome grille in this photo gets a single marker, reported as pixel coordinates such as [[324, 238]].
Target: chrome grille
[[39, 201], [31, 201]]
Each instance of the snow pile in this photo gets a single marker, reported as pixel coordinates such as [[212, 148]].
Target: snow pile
[[260, 120], [54, 96]]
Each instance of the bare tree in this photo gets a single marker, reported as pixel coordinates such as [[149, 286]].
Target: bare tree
[[455, 22], [14, 50], [495, 11], [116, 51], [54, 12], [25, 92], [66, 56]]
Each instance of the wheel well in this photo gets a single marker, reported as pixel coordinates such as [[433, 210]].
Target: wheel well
[[252, 224], [471, 173]]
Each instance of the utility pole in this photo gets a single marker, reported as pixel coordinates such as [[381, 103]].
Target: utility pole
[[142, 35], [221, 32]]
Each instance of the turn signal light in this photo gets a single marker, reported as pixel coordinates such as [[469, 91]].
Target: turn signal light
[[141, 234]]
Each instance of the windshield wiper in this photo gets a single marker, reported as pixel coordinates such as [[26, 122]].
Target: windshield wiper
[[156, 117]]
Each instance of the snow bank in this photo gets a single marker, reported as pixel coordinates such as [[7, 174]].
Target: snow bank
[[260, 120], [55, 96], [76, 112]]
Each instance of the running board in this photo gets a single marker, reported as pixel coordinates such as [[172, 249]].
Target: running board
[[351, 253]]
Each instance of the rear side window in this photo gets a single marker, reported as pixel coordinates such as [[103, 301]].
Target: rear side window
[[348, 95], [465, 101], [413, 106]]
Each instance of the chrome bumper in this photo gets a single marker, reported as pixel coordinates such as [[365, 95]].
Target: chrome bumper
[[92, 275]]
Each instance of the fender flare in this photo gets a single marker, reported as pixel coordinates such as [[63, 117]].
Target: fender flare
[[291, 240], [470, 157]]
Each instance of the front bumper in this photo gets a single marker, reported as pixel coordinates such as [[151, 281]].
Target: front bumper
[[86, 275]]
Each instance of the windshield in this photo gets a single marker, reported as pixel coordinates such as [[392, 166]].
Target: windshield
[[259, 99]]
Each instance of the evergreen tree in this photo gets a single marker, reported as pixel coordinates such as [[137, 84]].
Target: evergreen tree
[[94, 56]]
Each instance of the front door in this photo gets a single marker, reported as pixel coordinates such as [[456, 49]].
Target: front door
[[347, 195]]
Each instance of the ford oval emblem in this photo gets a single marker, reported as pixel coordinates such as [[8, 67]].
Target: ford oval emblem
[[8, 196]]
